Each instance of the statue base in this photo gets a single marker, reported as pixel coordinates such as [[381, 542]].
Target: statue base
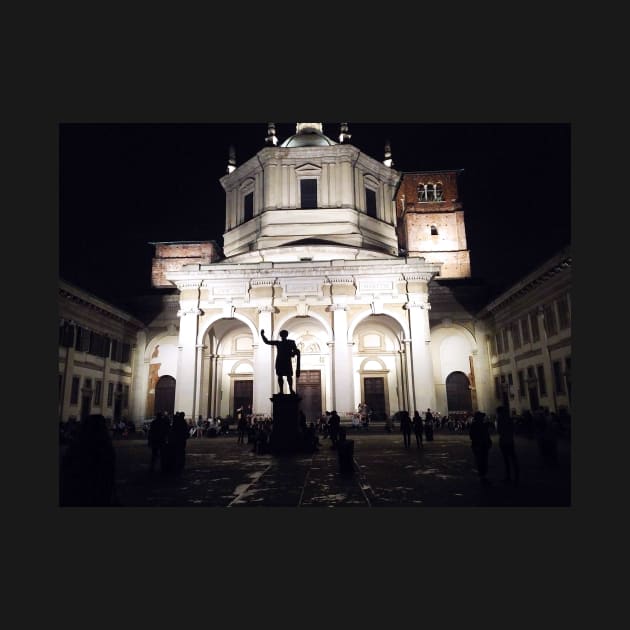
[[286, 437]]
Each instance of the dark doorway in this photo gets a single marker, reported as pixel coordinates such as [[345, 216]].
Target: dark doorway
[[86, 404], [374, 394], [243, 395], [165, 395], [309, 389], [458, 396], [534, 403]]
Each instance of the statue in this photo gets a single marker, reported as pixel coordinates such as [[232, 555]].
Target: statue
[[286, 350]]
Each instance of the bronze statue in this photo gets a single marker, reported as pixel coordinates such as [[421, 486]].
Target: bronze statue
[[286, 350]]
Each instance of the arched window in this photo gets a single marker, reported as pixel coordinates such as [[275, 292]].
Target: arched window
[[434, 231], [430, 192]]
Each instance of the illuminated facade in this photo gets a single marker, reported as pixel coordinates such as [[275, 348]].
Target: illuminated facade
[[365, 266], [97, 356], [315, 240], [530, 348]]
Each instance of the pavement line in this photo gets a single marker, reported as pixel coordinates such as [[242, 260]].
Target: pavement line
[[306, 481], [246, 487], [356, 465]]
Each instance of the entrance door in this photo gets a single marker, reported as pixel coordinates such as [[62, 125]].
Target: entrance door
[[86, 403], [243, 395], [374, 394], [533, 398], [309, 388], [165, 395], [458, 397]]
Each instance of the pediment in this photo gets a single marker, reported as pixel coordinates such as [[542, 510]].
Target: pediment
[[308, 169]]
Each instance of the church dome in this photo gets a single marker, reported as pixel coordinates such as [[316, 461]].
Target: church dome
[[308, 135]]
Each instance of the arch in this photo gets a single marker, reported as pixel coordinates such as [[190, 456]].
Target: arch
[[281, 323], [209, 321], [155, 341], [238, 367], [361, 317], [442, 330], [365, 368], [458, 394]]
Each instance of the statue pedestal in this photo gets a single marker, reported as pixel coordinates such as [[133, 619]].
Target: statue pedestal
[[285, 436]]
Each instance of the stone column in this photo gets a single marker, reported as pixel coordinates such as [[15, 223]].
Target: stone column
[[483, 372], [264, 372], [343, 395], [421, 361], [140, 382], [409, 400], [187, 366]]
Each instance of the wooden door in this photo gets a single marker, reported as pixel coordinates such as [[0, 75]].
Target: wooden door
[[309, 388]]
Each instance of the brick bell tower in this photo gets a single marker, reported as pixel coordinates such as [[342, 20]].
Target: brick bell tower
[[431, 220]]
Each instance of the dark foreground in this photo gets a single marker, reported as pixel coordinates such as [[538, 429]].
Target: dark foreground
[[221, 473]]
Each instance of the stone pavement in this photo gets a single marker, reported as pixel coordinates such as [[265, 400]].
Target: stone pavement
[[221, 473]]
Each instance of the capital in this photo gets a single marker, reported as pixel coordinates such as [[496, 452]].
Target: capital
[[266, 308], [189, 311]]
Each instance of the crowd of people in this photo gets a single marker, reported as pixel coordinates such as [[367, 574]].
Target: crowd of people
[[88, 456]]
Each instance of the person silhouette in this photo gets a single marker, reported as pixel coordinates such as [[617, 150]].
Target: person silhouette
[[286, 350], [417, 428], [505, 429], [480, 443]]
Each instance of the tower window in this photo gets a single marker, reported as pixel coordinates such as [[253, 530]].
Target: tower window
[[248, 206], [370, 202], [308, 193], [434, 231], [430, 192]]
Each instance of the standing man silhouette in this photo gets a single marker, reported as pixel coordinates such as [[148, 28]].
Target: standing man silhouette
[[286, 350]]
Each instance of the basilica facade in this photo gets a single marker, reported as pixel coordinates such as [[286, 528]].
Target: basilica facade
[[366, 267], [339, 249]]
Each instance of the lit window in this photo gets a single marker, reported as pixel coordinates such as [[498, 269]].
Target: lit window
[[370, 202], [542, 384], [248, 206], [430, 192], [564, 317], [558, 377], [534, 322], [74, 392], [551, 325], [98, 387], [525, 328], [308, 193], [516, 335]]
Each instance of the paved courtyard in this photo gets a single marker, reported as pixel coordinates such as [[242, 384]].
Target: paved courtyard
[[220, 472]]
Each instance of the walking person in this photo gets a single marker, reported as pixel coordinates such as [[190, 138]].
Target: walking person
[[334, 425], [156, 439], [480, 443], [417, 428], [405, 428], [177, 439], [428, 425], [241, 427], [505, 429]]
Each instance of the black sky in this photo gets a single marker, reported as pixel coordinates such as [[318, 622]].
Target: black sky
[[125, 185]]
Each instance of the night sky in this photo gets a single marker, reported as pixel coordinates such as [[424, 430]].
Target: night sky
[[125, 185]]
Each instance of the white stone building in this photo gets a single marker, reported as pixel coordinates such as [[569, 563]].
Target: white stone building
[[530, 348], [312, 245], [97, 356], [368, 270]]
